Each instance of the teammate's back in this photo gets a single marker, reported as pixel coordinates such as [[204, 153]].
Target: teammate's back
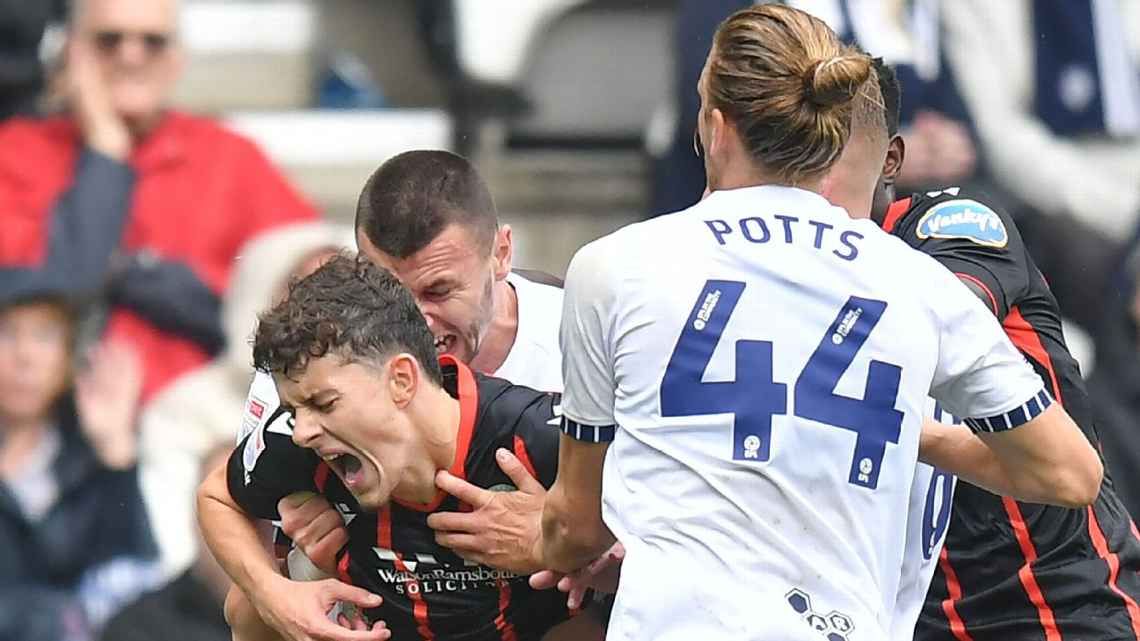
[[759, 365], [787, 414]]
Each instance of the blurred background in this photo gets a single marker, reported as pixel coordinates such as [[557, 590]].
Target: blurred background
[[120, 191]]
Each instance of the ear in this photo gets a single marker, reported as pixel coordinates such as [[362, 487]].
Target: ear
[[503, 251], [896, 154], [403, 379], [718, 133]]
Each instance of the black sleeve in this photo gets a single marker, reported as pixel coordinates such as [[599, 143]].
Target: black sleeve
[[985, 250], [170, 295], [267, 466], [88, 220], [537, 435]]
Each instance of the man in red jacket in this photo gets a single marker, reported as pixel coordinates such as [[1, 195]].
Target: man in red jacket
[[131, 200]]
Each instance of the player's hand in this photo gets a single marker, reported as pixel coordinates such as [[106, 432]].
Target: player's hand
[[503, 528], [299, 610], [600, 575], [315, 527], [106, 397], [90, 101]]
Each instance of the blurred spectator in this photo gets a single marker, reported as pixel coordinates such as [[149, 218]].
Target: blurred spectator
[[1115, 389], [1054, 89], [74, 540], [122, 195], [941, 148], [189, 608], [22, 26], [186, 419], [679, 176]]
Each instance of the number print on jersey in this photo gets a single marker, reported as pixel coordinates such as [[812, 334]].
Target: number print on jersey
[[754, 397], [873, 418]]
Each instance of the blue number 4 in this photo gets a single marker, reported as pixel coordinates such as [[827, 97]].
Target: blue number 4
[[754, 397]]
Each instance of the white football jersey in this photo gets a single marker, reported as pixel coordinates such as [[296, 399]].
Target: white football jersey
[[761, 363], [928, 518]]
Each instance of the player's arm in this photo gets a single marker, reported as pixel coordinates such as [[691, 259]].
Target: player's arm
[[1021, 439], [229, 499], [573, 533], [1046, 460]]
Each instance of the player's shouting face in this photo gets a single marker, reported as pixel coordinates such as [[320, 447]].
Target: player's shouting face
[[349, 413], [453, 281], [347, 350]]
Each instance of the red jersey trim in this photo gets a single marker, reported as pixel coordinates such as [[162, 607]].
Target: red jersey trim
[[468, 410], [412, 585], [1025, 574], [523, 455], [1113, 562], [1022, 334], [979, 283], [895, 213], [953, 595]]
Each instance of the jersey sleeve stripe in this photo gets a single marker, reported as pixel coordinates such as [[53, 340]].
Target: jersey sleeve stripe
[[984, 288], [588, 433], [1013, 418]]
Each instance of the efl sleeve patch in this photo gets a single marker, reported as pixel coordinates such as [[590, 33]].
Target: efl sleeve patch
[[966, 219]]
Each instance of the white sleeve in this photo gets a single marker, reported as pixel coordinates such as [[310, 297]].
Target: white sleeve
[[260, 404], [980, 375], [587, 366]]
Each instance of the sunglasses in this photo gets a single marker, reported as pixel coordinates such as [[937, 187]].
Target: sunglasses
[[698, 148], [154, 42]]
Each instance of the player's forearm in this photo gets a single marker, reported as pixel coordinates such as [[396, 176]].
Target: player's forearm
[[955, 449], [1065, 474], [232, 536], [571, 539]]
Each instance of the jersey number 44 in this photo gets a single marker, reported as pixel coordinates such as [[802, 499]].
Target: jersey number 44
[[754, 399]]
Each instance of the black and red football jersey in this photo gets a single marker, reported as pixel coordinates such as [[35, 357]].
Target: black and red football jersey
[[1013, 570], [429, 592]]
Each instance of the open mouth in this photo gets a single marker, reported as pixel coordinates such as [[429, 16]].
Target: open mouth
[[347, 467], [444, 344]]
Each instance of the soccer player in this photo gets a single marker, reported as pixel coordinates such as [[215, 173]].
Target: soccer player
[[1009, 569], [753, 371], [367, 419], [429, 218]]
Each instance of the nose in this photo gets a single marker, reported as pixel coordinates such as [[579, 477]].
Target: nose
[[429, 311], [132, 52], [306, 428]]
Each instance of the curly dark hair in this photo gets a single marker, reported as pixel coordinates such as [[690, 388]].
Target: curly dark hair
[[350, 307]]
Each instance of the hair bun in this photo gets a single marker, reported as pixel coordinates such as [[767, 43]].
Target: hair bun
[[835, 81]]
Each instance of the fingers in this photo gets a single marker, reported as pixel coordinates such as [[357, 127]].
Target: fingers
[[465, 545], [474, 496], [338, 591], [545, 579], [327, 630], [454, 522], [517, 472]]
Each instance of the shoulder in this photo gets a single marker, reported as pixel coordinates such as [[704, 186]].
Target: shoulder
[[955, 216], [508, 406], [210, 134], [32, 146]]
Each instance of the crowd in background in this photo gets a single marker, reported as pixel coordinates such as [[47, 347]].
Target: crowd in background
[[138, 243]]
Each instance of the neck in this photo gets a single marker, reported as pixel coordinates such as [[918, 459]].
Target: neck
[[501, 334], [142, 126], [437, 417], [19, 439], [744, 173]]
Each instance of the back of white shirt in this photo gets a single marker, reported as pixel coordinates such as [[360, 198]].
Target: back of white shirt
[[764, 362]]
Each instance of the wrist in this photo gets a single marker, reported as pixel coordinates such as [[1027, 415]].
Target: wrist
[[113, 142]]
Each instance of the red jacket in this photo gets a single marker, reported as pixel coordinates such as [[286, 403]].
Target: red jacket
[[200, 192]]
